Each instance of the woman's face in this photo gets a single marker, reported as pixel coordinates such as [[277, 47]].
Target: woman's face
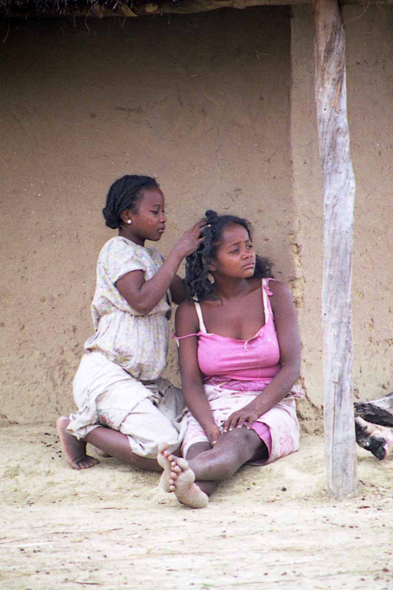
[[148, 222], [235, 255]]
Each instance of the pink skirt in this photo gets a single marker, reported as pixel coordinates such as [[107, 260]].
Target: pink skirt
[[278, 428]]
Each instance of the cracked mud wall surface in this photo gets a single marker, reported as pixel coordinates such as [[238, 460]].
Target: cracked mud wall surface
[[201, 102], [370, 98]]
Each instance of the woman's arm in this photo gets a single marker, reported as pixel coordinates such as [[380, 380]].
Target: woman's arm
[[144, 295], [192, 386], [289, 341]]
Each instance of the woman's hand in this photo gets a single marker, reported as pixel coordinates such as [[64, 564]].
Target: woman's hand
[[243, 417], [212, 433], [190, 240]]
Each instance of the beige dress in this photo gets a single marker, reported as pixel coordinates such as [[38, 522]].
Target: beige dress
[[118, 383]]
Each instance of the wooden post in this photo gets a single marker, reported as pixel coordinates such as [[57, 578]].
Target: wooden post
[[339, 194]]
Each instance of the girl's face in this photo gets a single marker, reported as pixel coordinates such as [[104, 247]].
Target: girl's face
[[148, 222], [235, 255]]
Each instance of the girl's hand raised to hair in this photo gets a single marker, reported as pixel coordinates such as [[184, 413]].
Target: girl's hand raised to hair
[[190, 240], [244, 417]]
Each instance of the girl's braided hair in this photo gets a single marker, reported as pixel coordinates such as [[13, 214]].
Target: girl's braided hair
[[124, 194], [197, 281]]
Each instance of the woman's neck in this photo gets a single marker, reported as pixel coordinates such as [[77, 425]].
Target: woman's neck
[[231, 288]]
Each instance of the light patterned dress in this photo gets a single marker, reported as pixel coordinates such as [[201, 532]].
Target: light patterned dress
[[118, 382], [136, 342]]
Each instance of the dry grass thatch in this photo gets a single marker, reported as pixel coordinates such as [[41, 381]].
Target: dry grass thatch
[[62, 7], [123, 8]]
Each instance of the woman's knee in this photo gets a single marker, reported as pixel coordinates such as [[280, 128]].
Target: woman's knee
[[232, 450], [242, 444], [196, 449]]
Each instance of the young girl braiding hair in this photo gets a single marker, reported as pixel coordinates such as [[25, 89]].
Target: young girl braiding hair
[[239, 354], [124, 406]]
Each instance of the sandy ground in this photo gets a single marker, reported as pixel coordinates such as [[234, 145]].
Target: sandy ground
[[107, 527]]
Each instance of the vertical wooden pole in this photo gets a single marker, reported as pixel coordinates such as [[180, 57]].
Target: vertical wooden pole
[[339, 194]]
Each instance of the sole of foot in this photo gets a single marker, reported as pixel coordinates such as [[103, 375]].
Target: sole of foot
[[182, 483], [163, 461]]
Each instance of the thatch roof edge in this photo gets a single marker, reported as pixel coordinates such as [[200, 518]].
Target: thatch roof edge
[[131, 9]]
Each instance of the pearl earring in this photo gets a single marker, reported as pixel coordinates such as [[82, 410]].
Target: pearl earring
[[129, 221]]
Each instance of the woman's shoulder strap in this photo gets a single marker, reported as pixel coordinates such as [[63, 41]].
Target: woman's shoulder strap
[[266, 293], [200, 321], [265, 285], [198, 309]]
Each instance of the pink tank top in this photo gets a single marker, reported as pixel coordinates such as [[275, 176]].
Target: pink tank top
[[245, 360]]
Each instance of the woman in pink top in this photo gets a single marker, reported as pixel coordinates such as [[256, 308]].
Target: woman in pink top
[[239, 354]]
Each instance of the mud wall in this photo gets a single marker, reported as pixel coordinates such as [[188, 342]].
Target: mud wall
[[220, 108], [201, 102]]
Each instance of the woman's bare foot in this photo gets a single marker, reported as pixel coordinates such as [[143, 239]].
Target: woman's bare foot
[[74, 449], [163, 461], [182, 483], [376, 439]]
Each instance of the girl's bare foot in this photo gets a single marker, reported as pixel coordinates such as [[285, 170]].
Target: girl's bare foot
[[376, 439], [74, 449], [103, 454], [182, 483]]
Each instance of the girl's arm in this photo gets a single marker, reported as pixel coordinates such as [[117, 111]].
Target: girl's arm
[[289, 342], [192, 386], [178, 290], [143, 295]]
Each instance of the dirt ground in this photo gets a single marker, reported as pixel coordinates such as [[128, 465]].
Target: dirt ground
[[109, 527]]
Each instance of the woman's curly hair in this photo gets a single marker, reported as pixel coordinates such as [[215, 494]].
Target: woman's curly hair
[[197, 281]]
